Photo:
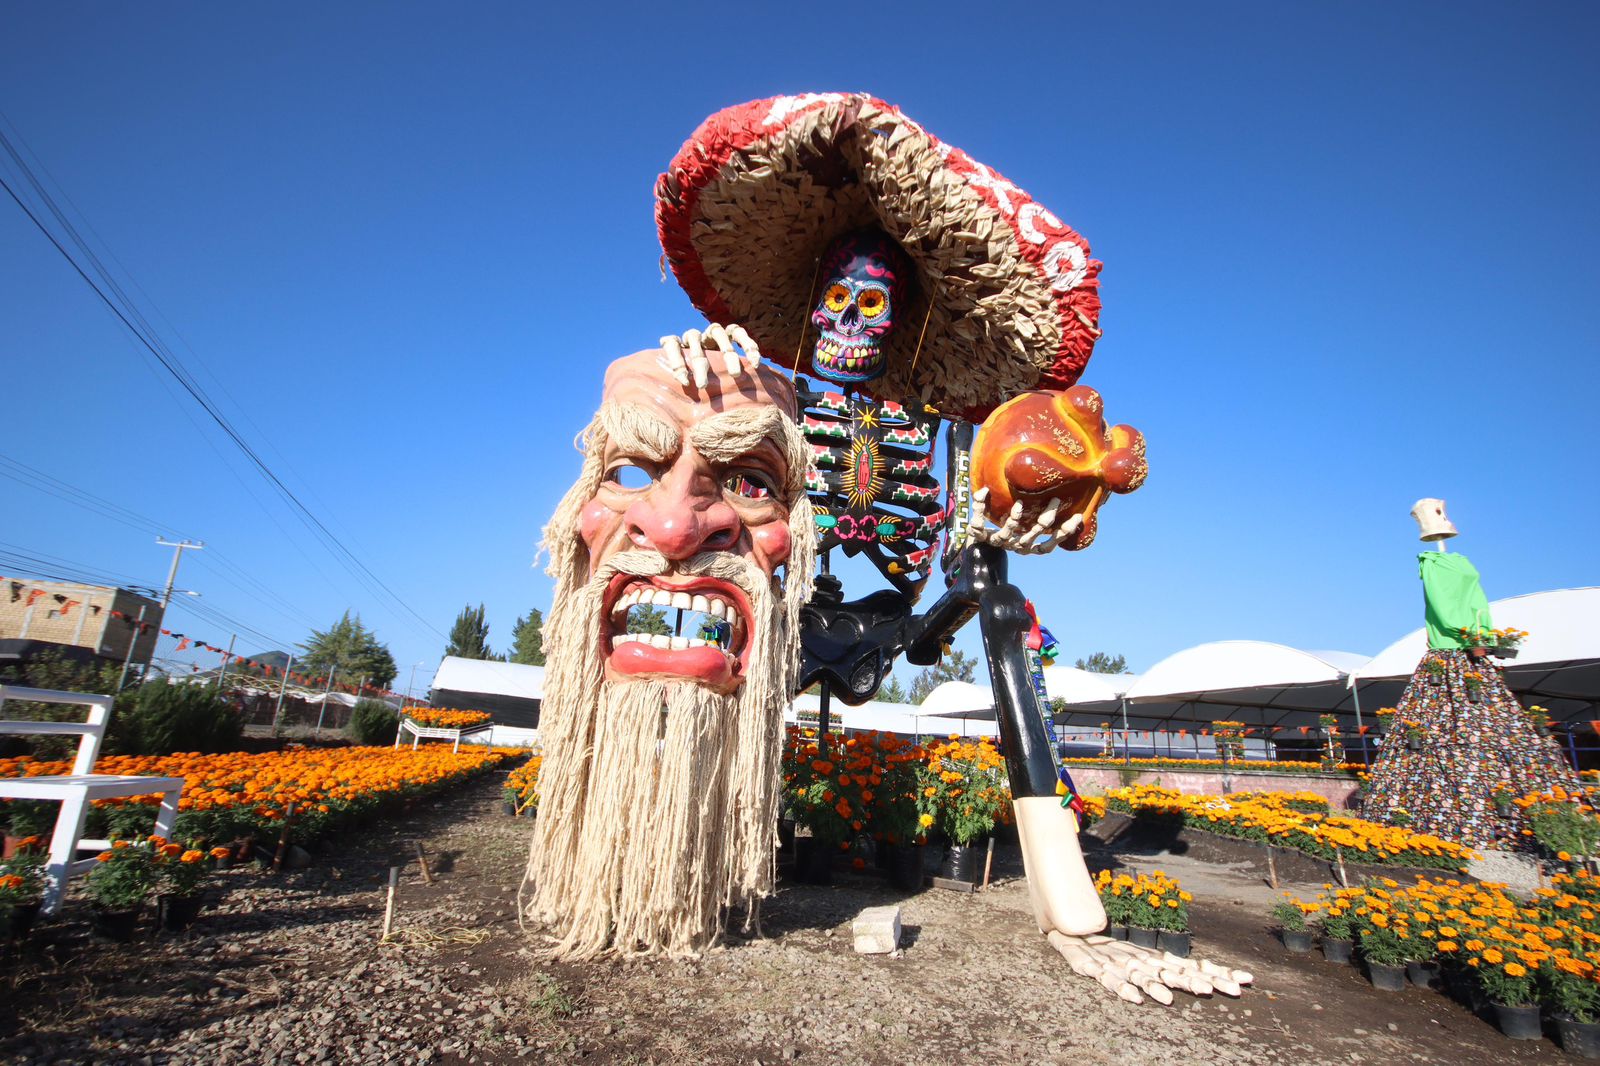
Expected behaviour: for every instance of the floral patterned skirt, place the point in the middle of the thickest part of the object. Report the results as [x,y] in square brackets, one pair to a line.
[1476,739]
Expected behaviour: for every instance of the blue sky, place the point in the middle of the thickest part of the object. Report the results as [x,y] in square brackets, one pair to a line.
[1349,262]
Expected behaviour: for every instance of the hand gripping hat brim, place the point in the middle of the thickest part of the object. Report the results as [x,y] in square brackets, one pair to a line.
[1008,292]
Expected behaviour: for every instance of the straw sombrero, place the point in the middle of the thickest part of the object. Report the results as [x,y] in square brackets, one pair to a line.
[1007,291]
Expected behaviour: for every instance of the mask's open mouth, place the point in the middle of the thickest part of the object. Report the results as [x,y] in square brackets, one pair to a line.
[706,621]
[841,358]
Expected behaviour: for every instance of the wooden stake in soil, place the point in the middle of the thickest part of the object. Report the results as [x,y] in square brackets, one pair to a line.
[388,908]
[422,861]
[1338,854]
[988,861]
[1272,869]
[283,838]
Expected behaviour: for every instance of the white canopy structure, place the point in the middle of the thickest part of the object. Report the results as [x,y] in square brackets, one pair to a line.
[959,699]
[496,678]
[907,719]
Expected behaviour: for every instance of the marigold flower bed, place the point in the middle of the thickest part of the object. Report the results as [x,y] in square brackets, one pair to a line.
[235,795]
[445,717]
[1298,820]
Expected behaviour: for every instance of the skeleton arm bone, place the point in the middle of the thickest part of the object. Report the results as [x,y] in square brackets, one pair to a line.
[1065,903]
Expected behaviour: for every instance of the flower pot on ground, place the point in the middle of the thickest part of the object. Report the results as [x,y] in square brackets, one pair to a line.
[1290,915]
[1581,1039]
[17,921]
[1175,942]
[813,861]
[1518,1022]
[178,912]
[1335,950]
[115,923]
[1142,937]
[1117,932]
[905,866]
[120,882]
[1386,977]
[1423,974]
[964,862]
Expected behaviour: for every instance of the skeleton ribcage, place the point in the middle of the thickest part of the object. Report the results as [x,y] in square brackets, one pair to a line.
[873,487]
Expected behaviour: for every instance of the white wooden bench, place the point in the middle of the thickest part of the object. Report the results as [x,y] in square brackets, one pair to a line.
[77,790]
[434,732]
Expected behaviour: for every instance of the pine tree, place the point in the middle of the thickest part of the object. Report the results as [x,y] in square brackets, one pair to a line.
[469,637]
[892,691]
[527,639]
[955,666]
[1102,663]
[352,649]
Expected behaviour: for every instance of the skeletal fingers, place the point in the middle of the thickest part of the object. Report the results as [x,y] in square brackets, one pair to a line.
[686,357]
[1131,972]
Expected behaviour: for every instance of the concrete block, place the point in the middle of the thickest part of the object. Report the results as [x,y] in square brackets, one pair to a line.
[877,930]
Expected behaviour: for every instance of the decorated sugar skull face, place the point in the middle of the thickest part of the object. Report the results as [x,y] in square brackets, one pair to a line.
[864,275]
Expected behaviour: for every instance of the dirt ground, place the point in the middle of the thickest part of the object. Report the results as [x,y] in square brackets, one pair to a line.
[289,968]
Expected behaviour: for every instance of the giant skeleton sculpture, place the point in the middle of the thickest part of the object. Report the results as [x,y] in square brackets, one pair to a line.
[707,472]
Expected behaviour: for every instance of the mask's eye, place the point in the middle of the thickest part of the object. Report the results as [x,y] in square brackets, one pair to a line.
[750,485]
[873,302]
[837,298]
[627,474]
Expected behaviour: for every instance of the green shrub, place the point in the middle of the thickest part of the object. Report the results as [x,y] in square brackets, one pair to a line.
[373,722]
[167,718]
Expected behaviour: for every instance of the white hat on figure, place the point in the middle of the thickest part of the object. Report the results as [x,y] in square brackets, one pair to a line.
[1432,520]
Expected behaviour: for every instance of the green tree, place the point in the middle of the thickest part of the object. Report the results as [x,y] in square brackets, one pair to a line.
[892,691]
[527,639]
[648,619]
[352,649]
[1102,663]
[469,637]
[955,666]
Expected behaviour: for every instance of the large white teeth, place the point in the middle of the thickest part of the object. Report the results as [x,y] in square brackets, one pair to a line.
[682,600]
[699,603]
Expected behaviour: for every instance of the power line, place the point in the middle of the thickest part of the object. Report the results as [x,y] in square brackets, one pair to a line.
[347,558]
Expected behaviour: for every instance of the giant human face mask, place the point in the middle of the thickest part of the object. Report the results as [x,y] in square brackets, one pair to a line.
[864,276]
[659,791]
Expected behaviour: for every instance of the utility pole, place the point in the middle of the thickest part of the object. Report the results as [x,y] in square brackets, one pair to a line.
[278,710]
[138,629]
[324,712]
[172,575]
[223,676]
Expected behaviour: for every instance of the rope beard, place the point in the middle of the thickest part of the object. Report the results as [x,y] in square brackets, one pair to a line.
[658,799]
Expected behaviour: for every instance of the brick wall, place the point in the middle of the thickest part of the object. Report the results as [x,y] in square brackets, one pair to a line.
[86,623]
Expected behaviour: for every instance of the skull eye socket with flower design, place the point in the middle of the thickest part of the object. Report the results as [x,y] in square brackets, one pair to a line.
[864,275]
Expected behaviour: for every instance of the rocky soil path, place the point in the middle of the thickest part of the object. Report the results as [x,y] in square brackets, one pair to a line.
[289,969]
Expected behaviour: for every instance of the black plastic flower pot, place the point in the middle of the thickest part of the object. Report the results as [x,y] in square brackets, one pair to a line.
[813,861]
[178,912]
[905,867]
[18,921]
[1117,932]
[1176,943]
[964,862]
[114,923]
[1423,974]
[1386,978]
[1139,936]
[1578,1038]
[1336,950]
[1518,1023]
[1298,940]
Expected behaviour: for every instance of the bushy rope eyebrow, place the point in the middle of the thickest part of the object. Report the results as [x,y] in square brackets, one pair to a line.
[639,431]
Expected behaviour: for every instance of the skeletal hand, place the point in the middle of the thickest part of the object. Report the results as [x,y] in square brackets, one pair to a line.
[1052,527]
[1132,972]
[719,340]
